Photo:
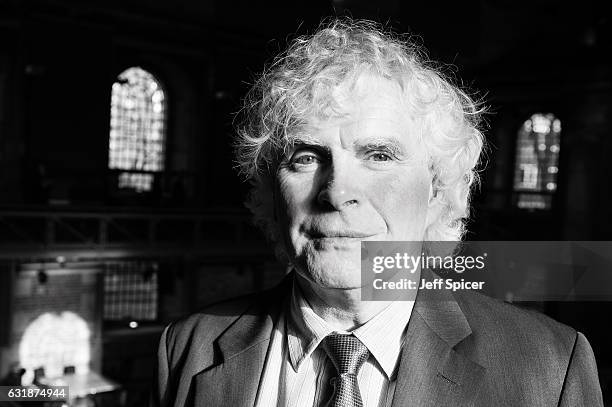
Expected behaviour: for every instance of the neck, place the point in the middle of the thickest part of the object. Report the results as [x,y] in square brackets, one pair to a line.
[342,309]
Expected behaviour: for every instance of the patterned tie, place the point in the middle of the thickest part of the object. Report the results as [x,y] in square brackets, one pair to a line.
[348,354]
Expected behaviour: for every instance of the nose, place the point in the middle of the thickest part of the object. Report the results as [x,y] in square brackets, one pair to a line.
[341,189]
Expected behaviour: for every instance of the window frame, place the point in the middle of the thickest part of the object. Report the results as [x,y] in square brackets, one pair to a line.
[115,172]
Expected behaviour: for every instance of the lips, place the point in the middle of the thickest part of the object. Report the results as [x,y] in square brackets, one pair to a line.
[324,234]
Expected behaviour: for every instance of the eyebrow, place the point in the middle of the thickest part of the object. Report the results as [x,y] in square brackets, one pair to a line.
[390,144]
[304,140]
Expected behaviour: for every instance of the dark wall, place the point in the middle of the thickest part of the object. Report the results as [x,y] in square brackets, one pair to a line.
[56,74]
[58,60]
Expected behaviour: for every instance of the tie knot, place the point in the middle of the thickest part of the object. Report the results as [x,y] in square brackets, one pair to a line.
[346,352]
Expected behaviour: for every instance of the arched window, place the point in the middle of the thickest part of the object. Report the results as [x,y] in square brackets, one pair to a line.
[537,161]
[137,129]
[55,341]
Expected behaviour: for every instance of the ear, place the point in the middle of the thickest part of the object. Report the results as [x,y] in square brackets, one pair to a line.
[435,206]
[275,196]
[274,202]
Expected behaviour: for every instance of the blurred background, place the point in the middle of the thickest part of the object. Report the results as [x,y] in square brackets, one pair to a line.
[119,207]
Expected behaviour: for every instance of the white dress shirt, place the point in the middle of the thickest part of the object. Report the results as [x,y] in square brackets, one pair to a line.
[297,371]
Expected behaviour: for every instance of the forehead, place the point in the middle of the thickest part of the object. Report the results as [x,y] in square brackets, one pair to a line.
[368,106]
[369,90]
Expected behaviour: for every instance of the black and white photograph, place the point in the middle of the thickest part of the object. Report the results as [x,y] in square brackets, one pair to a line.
[338,203]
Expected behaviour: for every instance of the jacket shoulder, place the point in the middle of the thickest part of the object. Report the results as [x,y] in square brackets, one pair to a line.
[205,325]
[525,350]
[516,325]
[187,346]
[188,342]
[530,358]
[492,314]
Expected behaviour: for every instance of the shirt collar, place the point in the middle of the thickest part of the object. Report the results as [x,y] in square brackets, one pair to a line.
[383,335]
[305,329]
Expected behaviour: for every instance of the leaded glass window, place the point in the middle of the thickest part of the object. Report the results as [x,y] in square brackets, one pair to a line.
[537,161]
[137,129]
[130,291]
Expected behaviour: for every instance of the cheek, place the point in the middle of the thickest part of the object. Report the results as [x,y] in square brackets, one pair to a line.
[402,199]
[293,196]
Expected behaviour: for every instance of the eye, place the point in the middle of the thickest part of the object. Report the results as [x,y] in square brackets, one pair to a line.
[305,159]
[378,156]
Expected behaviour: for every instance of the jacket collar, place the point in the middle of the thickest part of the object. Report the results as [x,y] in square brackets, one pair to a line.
[240,353]
[441,312]
[431,371]
[437,308]
[255,325]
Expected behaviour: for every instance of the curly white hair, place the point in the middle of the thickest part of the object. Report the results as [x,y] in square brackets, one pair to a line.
[299,85]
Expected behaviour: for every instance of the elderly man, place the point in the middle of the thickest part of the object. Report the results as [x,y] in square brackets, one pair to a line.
[348,137]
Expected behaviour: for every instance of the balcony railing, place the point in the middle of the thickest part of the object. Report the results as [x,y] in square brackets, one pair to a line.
[102,233]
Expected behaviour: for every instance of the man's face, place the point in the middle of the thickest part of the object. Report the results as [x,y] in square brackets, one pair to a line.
[359,176]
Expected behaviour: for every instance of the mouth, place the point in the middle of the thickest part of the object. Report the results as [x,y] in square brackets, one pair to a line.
[337,234]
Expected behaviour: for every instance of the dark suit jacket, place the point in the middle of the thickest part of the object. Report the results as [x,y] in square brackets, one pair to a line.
[461,350]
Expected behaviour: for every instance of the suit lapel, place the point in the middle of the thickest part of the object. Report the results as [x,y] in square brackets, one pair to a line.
[234,382]
[431,371]
[241,351]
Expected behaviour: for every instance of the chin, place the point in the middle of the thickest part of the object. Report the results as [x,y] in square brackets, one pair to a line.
[330,269]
